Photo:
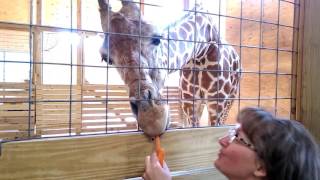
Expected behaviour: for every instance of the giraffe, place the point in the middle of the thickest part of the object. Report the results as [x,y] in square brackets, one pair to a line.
[210,68]
[128,45]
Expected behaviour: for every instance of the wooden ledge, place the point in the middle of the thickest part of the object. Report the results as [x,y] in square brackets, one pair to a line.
[118,156]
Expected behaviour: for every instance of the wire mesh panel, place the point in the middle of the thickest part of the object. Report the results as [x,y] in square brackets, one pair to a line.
[54,83]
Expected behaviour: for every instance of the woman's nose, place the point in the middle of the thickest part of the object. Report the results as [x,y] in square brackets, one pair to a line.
[224,141]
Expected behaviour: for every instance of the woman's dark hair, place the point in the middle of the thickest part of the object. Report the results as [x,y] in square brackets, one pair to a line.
[287,150]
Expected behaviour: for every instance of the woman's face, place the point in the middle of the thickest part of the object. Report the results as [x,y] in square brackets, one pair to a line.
[236,158]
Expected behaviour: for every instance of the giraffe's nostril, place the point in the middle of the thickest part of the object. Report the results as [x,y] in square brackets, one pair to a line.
[149,95]
[134,107]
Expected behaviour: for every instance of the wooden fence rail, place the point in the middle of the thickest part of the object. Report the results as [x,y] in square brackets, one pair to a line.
[56,110]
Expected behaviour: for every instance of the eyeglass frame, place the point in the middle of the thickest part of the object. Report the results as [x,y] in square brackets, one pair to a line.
[233,136]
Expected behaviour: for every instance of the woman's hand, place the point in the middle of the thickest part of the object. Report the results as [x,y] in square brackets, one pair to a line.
[153,169]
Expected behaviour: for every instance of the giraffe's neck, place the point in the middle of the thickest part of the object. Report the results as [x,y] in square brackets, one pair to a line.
[181,40]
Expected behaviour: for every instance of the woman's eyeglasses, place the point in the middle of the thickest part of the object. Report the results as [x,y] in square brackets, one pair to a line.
[233,136]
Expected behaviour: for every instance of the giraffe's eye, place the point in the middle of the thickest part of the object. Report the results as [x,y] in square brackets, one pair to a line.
[155,40]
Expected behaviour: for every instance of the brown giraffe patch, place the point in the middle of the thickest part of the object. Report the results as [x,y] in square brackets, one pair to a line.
[212,54]
[207,33]
[187,96]
[184,84]
[187,27]
[226,66]
[183,34]
[181,46]
[227,88]
[199,20]
[215,70]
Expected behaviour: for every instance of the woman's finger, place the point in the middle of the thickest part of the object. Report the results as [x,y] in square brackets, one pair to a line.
[165,166]
[147,161]
[154,158]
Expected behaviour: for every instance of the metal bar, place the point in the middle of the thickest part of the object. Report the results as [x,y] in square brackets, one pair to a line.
[277,60]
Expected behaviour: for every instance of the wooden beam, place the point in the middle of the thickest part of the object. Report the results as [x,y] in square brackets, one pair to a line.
[80,71]
[109,156]
[37,48]
[310,100]
[297,63]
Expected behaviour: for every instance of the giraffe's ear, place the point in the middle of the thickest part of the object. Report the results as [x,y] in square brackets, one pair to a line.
[105,13]
[155,40]
[130,9]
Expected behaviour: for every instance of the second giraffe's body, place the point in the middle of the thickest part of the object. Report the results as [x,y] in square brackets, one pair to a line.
[210,72]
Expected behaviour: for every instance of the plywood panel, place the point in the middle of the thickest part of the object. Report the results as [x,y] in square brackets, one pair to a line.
[17,11]
[107,157]
[261,56]
[310,77]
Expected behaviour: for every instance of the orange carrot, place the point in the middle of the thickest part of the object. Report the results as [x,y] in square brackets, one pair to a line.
[159,150]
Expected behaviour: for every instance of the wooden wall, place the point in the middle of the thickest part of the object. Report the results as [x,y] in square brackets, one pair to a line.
[310,54]
[15,11]
[260,66]
[111,156]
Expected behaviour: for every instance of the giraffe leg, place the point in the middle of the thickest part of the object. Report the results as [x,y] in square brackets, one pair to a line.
[193,112]
[214,110]
[224,114]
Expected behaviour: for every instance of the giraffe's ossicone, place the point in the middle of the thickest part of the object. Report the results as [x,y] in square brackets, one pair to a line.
[210,68]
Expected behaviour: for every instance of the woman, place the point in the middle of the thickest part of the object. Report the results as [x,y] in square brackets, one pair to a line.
[261,147]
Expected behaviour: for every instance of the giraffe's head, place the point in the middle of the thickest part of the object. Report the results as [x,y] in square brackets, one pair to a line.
[129,44]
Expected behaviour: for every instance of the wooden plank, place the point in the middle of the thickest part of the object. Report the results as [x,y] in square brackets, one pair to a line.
[13,13]
[20,106]
[16,113]
[108,117]
[310,100]
[57,132]
[48,121]
[88,99]
[57,111]
[112,93]
[57,105]
[126,106]
[118,111]
[58,91]
[109,121]
[14,93]
[104,87]
[80,58]
[14,120]
[56,87]
[14,100]
[53,127]
[37,49]
[15,126]
[88,123]
[57,117]
[106,156]
[297,62]
[11,85]
[26,28]
[111,129]
[13,135]
[55,97]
